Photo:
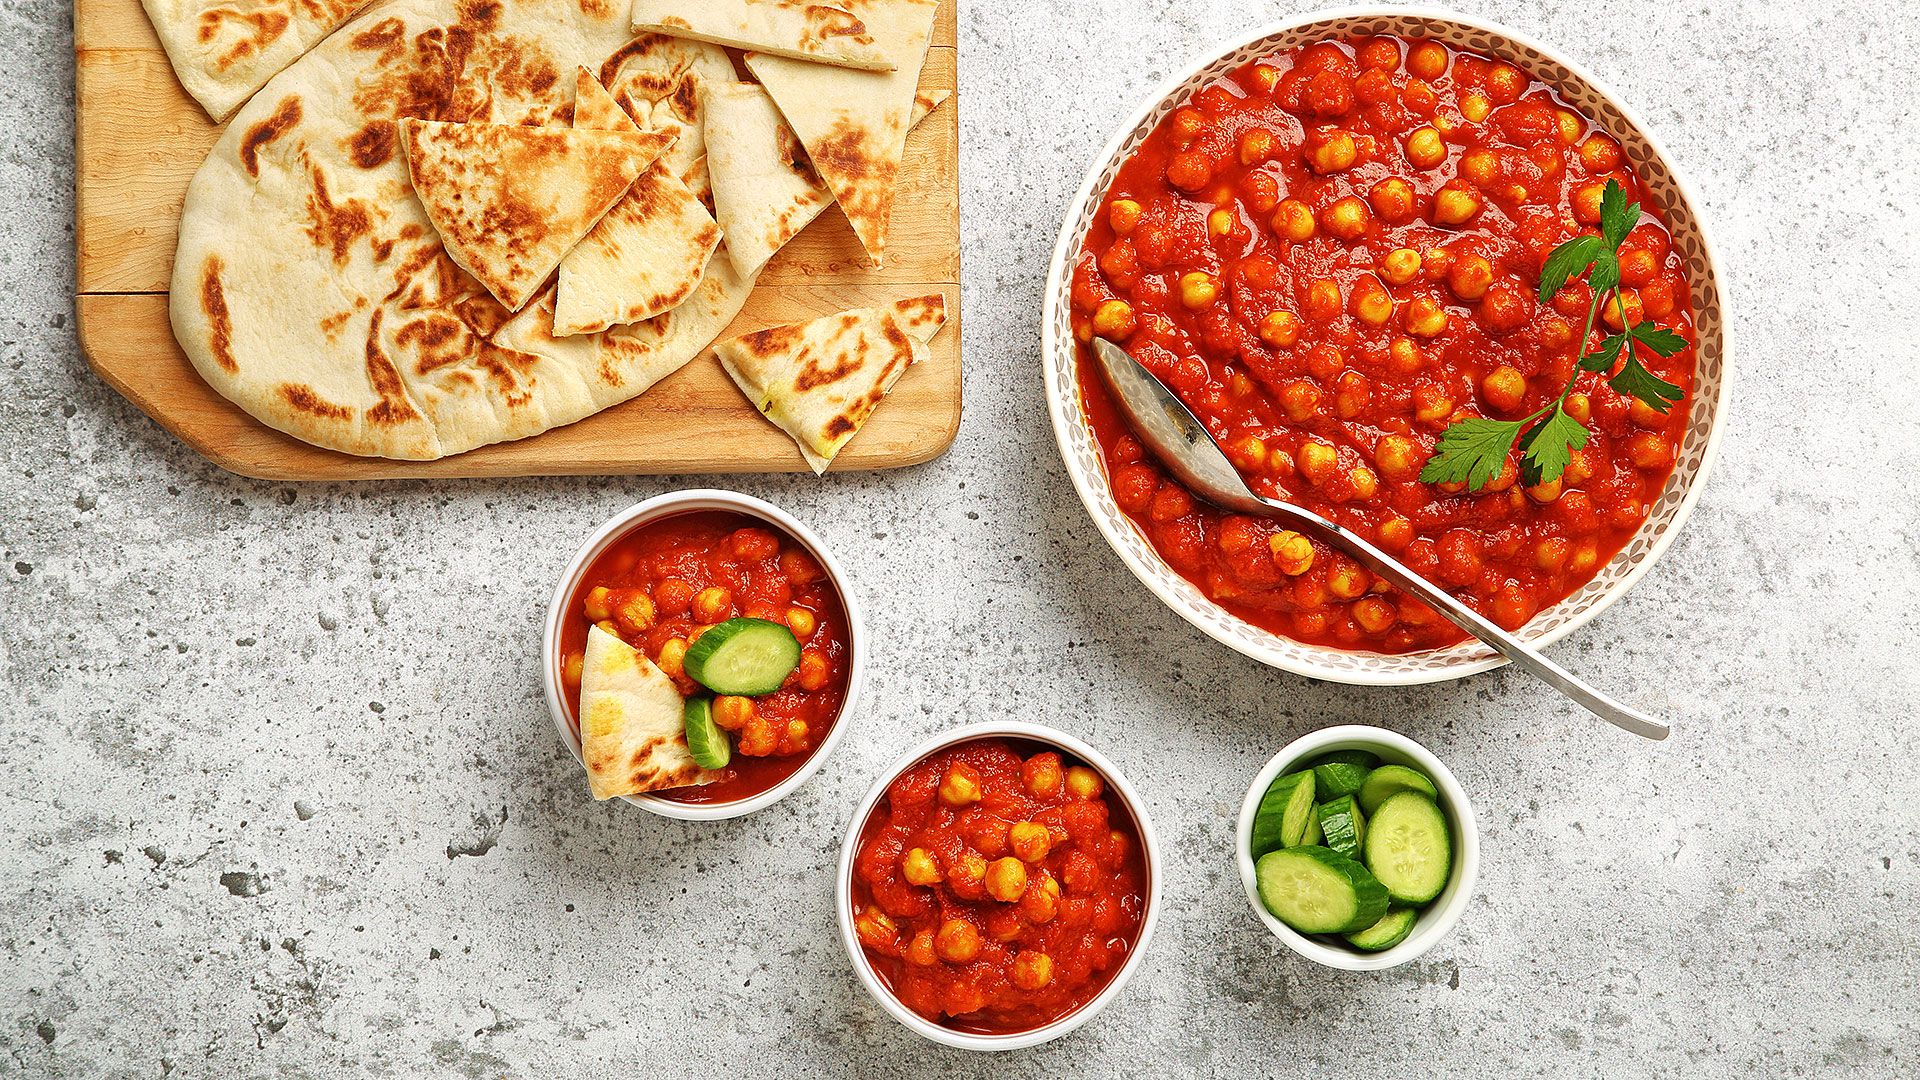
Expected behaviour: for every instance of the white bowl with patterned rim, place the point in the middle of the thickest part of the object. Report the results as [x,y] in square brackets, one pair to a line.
[1667,190]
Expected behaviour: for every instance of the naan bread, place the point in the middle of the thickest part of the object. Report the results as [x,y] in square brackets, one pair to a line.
[854,123]
[633,732]
[804,29]
[647,254]
[764,188]
[819,381]
[224,50]
[664,82]
[510,201]
[310,288]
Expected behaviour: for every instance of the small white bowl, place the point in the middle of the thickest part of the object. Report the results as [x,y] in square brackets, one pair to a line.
[1437,917]
[681,502]
[1068,746]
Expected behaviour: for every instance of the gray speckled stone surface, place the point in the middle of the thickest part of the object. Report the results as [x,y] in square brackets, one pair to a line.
[279,795]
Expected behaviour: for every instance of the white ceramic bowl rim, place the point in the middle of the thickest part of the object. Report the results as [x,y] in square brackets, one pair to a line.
[1329,664]
[1438,917]
[687,501]
[843,892]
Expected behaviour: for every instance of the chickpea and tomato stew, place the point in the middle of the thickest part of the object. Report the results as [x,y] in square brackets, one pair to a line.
[663,586]
[998,887]
[1331,254]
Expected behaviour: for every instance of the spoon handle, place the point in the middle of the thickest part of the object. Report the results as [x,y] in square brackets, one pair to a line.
[1480,627]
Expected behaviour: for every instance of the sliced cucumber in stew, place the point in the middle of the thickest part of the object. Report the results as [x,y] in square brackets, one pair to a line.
[1283,814]
[1317,890]
[1391,780]
[748,657]
[1343,825]
[1409,848]
[1391,930]
[1313,837]
[1342,772]
[705,741]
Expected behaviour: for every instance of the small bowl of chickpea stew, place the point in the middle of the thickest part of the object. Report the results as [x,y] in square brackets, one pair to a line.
[660,574]
[998,886]
[1326,237]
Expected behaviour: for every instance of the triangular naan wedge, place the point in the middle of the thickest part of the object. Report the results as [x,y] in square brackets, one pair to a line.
[764,188]
[510,201]
[801,29]
[854,123]
[224,50]
[647,254]
[819,380]
[633,733]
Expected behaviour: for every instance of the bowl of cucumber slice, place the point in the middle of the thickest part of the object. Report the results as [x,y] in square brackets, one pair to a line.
[1358,847]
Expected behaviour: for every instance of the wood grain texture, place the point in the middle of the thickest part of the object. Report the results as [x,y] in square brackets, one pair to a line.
[139,138]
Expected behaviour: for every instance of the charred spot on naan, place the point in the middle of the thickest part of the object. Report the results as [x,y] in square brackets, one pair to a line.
[263,28]
[372,146]
[335,226]
[794,156]
[301,398]
[825,22]
[279,123]
[451,72]
[213,303]
[387,37]
[867,174]
[919,311]
[394,407]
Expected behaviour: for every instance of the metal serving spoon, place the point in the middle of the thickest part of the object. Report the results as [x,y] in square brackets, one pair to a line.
[1183,444]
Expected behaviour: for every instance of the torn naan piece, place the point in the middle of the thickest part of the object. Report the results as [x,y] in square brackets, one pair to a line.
[509,201]
[633,733]
[224,50]
[647,254]
[765,190]
[819,380]
[854,123]
[802,29]
[658,80]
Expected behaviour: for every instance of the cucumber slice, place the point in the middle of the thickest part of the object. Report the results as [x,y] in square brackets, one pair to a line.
[1389,780]
[1344,826]
[1313,837]
[1409,848]
[1317,890]
[1283,814]
[1341,772]
[1391,930]
[705,741]
[749,657]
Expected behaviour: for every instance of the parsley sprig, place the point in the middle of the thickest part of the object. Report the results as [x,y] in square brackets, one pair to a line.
[1475,451]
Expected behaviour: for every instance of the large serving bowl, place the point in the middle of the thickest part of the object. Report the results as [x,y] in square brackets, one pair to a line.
[1707,405]
[639,516]
[1118,790]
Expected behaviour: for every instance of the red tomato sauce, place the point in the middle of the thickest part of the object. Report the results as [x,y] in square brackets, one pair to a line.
[666,582]
[1332,254]
[997,887]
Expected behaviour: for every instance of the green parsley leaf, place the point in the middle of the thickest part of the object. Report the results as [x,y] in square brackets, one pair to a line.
[1567,260]
[1548,447]
[1617,216]
[1653,391]
[1658,339]
[1471,451]
[1605,273]
[1607,355]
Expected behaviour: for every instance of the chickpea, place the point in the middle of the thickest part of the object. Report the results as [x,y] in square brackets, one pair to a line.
[1292,553]
[598,605]
[800,567]
[802,622]
[1570,125]
[1256,145]
[1600,154]
[1431,405]
[1248,453]
[1610,311]
[813,671]
[607,627]
[1265,78]
[1428,60]
[1425,318]
[957,942]
[1293,219]
[1392,199]
[920,951]
[1373,306]
[673,656]
[1480,166]
[1504,388]
[1579,468]
[1348,581]
[1512,607]
[1376,615]
[1113,319]
[1551,553]
[1469,277]
[1042,901]
[1006,879]
[1347,218]
[1475,107]
[1578,406]
[1586,204]
[1646,415]
[1455,206]
[1083,783]
[574,667]
[1326,361]
[1459,551]
[1546,491]
[967,871]
[1280,328]
[1239,385]
[1404,355]
[1398,457]
[1354,392]
[1506,307]
[1031,840]
[1031,970]
[1335,153]
[1220,222]
[732,712]
[1300,400]
[757,738]
[1505,83]
[1638,266]
[1323,300]
[713,604]
[1198,289]
[1649,450]
[961,785]
[1123,215]
[1425,148]
[1400,266]
[1189,171]
[1317,460]
[796,735]
[1658,298]
[1396,533]
[918,866]
[875,929]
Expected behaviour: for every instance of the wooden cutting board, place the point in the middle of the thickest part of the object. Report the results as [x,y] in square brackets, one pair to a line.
[140,138]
